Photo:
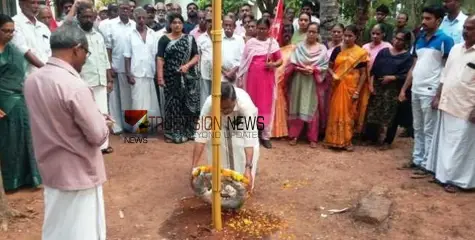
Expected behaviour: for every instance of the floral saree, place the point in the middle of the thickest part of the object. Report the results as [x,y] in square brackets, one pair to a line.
[182,90]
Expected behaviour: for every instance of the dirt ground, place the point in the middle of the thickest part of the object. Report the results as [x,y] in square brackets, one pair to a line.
[148,196]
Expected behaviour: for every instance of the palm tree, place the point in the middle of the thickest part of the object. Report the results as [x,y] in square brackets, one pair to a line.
[329,13]
[362,16]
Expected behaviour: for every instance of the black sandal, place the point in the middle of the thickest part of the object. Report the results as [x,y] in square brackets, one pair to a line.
[451,188]
[108,150]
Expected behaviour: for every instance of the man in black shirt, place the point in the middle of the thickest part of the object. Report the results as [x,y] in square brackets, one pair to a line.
[151,23]
[192,21]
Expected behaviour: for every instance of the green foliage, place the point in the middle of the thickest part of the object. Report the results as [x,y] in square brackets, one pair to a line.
[234,5]
[295,4]
[102,3]
[228,5]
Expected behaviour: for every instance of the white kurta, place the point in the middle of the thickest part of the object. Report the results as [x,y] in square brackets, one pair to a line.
[74,215]
[454,151]
[142,66]
[233,141]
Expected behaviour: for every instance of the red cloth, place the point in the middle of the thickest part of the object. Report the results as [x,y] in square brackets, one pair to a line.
[52,23]
[277,23]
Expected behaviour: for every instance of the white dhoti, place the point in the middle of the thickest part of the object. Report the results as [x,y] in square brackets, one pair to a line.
[205,90]
[74,215]
[125,92]
[144,97]
[161,100]
[115,108]
[454,151]
[100,96]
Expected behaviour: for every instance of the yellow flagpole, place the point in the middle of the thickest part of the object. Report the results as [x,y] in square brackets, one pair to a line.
[216,36]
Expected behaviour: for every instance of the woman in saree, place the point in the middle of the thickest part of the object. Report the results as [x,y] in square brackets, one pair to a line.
[388,74]
[348,64]
[257,75]
[279,128]
[18,163]
[239,146]
[301,33]
[177,72]
[305,77]
[336,41]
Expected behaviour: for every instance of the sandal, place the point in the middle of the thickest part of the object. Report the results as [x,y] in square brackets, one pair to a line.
[419,174]
[168,140]
[313,144]
[349,148]
[385,147]
[408,166]
[434,180]
[266,143]
[108,150]
[293,142]
[451,188]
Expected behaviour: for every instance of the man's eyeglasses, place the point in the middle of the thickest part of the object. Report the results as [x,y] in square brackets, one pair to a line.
[85,50]
[7,31]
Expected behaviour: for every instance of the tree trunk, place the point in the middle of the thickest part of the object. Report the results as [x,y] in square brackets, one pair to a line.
[267,5]
[329,12]
[362,16]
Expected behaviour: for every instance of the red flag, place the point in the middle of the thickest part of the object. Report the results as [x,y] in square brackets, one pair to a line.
[277,24]
[52,23]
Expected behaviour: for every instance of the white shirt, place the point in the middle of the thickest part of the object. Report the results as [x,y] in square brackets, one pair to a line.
[94,71]
[458,92]
[296,22]
[142,53]
[232,50]
[104,27]
[205,49]
[116,40]
[240,30]
[32,37]
[160,33]
[244,107]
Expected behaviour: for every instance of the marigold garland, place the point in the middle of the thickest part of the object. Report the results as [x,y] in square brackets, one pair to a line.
[224,172]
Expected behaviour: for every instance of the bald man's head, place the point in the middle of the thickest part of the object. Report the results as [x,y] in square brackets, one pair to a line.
[469,31]
[45,15]
[229,26]
[176,8]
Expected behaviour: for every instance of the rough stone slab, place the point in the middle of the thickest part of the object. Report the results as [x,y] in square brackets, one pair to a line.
[373,208]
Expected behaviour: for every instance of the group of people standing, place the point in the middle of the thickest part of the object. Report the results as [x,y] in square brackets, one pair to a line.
[151,59]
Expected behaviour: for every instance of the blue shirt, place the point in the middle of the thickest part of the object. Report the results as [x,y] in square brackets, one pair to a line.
[430,62]
[454,28]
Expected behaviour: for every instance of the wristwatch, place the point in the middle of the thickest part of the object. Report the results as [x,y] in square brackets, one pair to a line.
[249,165]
